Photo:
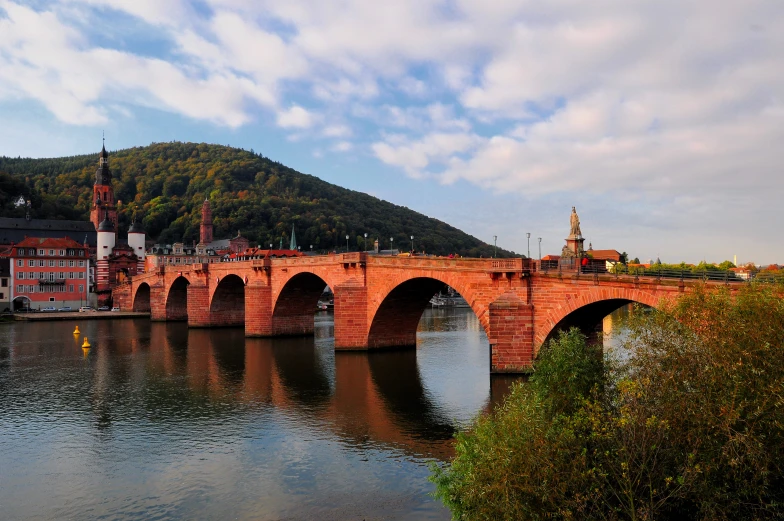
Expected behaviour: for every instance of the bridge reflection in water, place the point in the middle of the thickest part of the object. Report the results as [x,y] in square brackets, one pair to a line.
[159,419]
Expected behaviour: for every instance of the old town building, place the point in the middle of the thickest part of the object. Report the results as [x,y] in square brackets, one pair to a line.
[49,272]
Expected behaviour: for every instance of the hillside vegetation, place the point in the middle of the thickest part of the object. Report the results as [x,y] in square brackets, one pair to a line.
[167,183]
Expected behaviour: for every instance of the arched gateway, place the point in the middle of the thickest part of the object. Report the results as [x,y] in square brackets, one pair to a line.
[378,300]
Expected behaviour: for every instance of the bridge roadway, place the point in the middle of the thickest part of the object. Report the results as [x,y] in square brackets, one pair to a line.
[380,299]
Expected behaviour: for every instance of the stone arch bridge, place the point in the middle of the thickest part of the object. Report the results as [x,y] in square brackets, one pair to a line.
[378,300]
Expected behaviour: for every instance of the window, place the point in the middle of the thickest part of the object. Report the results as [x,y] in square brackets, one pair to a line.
[19,288]
[2,296]
[62,253]
[19,263]
[51,276]
[81,253]
[41,275]
[51,263]
[51,253]
[70,274]
[81,288]
[81,274]
[70,264]
[40,252]
[81,264]
[51,299]
[4,284]
[61,275]
[20,275]
[31,262]
[62,264]
[42,263]
[31,289]
[70,288]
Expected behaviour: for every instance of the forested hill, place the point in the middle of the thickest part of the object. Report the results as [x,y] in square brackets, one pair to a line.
[167,183]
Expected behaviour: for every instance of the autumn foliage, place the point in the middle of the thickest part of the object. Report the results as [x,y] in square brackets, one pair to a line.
[686,423]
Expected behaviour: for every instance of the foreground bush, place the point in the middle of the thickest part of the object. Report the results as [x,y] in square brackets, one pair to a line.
[689,426]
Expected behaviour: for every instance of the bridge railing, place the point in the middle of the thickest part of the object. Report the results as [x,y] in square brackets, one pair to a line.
[573,266]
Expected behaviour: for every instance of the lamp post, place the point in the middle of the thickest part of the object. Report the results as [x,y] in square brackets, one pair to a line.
[495,246]
[540,249]
[311,248]
[391,243]
[364,243]
[528,236]
[412,245]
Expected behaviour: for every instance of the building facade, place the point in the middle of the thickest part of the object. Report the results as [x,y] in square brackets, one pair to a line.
[5,283]
[49,272]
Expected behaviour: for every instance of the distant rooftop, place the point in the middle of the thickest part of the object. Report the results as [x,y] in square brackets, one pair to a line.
[15,229]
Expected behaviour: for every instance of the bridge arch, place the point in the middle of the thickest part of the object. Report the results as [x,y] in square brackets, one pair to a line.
[294,308]
[177,299]
[588,310]
[395,319]
[141,299]
[227,305]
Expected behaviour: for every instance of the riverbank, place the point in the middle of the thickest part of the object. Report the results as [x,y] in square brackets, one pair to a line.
[75,315]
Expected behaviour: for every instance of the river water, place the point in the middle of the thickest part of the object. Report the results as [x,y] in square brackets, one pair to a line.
[158,421]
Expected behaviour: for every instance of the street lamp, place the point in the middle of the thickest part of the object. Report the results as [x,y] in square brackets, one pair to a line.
[364,244]
[528,235]
[412,245]
[311,248]
[495,246]
[346,243]
[391,243]
[540,249]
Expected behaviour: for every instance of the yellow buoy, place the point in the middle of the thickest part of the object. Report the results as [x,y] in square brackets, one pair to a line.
[86,344]
[76,331]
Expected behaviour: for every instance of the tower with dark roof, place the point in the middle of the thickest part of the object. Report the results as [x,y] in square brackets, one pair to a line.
[104,206]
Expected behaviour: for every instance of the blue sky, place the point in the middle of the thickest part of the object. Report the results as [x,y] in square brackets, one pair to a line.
[661,121]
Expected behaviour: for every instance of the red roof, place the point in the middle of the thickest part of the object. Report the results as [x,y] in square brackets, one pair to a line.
[551,257]
[605,254]
[47,242]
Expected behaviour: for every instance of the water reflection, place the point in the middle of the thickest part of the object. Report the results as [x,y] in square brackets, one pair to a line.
[159,420]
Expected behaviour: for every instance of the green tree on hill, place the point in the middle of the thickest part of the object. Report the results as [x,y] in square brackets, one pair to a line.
[167,183]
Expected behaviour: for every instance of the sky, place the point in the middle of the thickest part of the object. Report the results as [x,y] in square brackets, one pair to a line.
[661,121]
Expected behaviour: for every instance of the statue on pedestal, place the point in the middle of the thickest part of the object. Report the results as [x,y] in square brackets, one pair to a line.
[574,220]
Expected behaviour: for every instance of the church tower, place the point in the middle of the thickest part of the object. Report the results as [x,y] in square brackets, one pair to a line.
[205,230]
[103,206]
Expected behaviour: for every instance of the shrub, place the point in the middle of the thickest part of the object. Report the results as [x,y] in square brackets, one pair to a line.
[688,427]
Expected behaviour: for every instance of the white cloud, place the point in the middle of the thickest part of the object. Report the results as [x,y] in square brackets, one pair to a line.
[336,131]
[342,146]
[295,117]
[415,156]
[647,100]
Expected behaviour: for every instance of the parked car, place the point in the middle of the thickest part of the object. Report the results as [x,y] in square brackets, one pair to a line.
[65,308]
[115,308]
[49,308]
[83,309]
[103,308]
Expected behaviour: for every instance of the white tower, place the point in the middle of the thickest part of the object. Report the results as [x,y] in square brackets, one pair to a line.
[136,241]
[106,238]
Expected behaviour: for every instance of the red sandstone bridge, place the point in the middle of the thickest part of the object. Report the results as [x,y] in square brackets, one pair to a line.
[380,299]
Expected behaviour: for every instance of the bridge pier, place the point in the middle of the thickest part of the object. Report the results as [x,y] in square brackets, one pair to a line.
[258,311]
[198,305]
[351,321]
[157,303]
[511,335]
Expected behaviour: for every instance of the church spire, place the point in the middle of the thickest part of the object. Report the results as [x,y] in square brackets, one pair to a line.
[293,243]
